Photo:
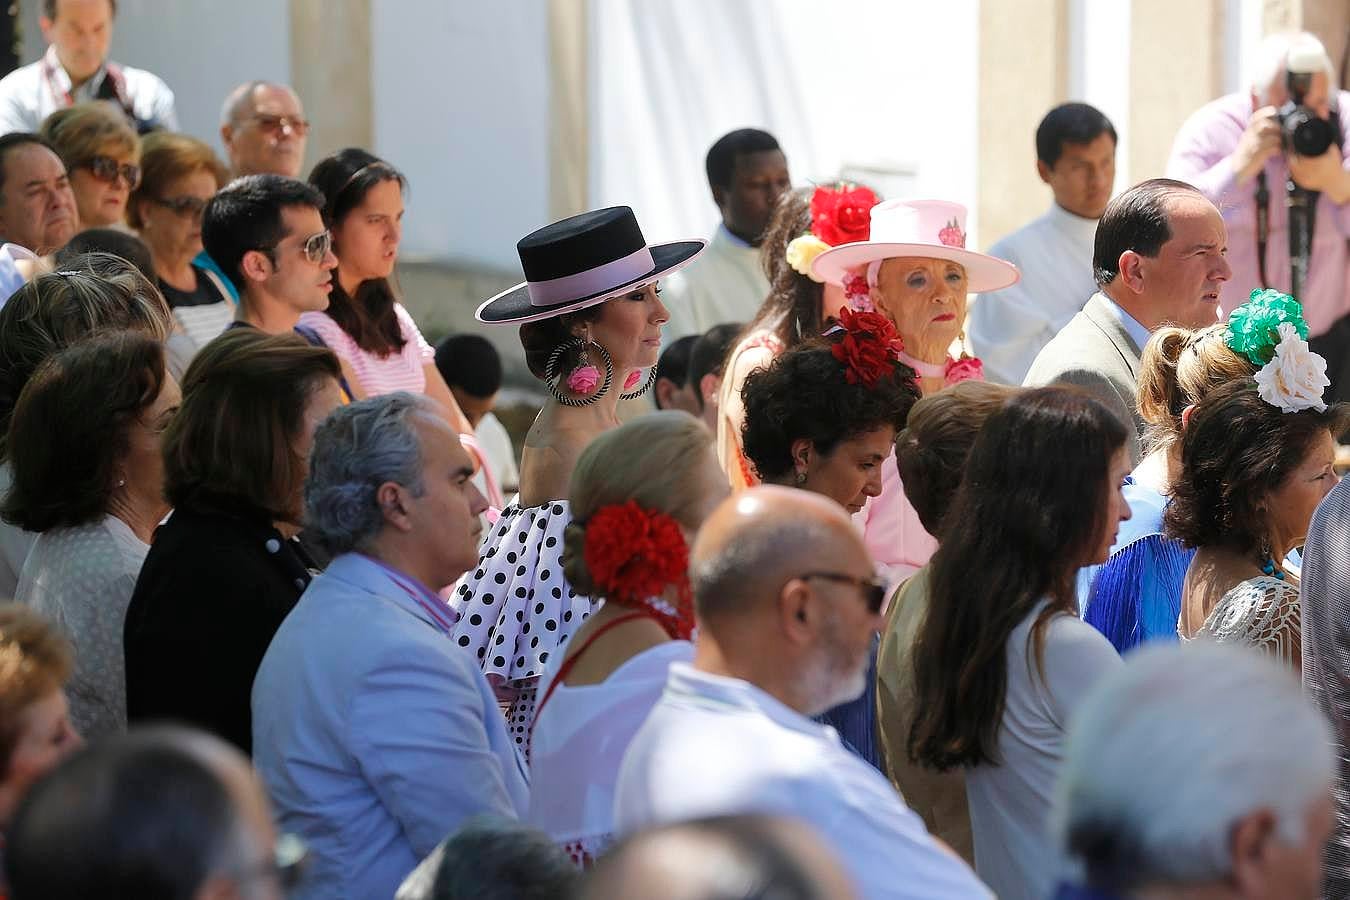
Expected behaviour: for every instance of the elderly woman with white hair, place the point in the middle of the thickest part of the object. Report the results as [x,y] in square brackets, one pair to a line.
[1196,771]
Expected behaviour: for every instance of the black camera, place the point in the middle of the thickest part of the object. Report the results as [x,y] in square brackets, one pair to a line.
[1305,132]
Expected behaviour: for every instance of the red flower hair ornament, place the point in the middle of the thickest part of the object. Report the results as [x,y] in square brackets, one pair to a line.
[633,555]
[870,346]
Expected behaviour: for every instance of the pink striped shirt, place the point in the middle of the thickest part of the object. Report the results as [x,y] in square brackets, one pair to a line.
[401,371]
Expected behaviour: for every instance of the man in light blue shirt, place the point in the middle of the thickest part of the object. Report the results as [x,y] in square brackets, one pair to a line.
[376,739]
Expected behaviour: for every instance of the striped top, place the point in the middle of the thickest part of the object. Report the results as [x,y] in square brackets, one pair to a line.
[399,371]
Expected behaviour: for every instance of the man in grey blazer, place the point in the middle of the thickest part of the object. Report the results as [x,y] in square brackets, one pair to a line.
[1159,259]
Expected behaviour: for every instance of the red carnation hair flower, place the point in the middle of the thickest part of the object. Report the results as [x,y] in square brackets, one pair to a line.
[842,215]
[869,347]
[633,555]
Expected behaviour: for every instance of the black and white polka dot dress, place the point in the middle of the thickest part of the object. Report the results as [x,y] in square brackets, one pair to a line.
[516,608]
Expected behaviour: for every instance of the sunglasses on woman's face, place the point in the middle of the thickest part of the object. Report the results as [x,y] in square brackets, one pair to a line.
[107,170]
[187,207]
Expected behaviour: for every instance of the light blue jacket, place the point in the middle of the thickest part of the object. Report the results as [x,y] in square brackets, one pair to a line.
[373,736]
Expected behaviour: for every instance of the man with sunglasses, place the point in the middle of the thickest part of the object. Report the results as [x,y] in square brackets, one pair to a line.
[263,128]
[163,811]
[787,603]
[76,68]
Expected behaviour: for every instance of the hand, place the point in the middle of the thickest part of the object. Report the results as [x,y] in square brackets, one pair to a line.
[1323,173]
[1258,143]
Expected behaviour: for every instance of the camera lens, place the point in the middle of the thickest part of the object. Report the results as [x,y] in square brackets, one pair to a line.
[1307,134]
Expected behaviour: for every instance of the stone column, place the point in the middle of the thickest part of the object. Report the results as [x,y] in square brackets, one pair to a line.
[569,108]
[330,70]
[1176,67]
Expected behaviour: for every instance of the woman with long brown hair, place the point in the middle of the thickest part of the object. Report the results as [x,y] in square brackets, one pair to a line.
[1002,658]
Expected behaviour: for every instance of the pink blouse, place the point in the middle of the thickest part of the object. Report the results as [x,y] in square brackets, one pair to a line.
[399,371]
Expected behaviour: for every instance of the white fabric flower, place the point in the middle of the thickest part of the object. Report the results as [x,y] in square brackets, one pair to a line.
[1295,377]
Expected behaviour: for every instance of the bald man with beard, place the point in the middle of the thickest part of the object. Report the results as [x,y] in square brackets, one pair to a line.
[787,603]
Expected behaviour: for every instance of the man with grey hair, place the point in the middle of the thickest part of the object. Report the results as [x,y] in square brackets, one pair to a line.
[1234,151]
[158,812]
[374,736]
[787,603]
[263,128]
[1195,772]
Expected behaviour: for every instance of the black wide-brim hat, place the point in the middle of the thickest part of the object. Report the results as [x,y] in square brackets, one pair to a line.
[582,261]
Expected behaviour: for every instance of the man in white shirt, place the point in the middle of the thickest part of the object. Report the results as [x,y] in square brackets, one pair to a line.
[472,368]
[787,604]
[1159,259]
[76,68]
[747,173]
[1076,157]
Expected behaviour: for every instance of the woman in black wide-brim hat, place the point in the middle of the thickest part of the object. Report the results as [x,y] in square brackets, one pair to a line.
[590,317]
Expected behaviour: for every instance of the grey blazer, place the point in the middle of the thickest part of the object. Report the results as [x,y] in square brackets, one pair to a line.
[1096,353]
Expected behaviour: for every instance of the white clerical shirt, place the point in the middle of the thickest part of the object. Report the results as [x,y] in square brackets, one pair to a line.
[725,284]
[1009,327]
[721,746]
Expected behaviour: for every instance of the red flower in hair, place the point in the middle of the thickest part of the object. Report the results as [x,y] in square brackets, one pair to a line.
[869,348]
[634,554]
[842,216]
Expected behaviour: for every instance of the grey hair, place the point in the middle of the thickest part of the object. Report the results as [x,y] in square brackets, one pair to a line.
[358,448]
[1272,59]
[1171,751]
[239,102]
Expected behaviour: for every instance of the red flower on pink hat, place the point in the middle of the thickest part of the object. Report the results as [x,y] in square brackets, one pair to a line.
[842,216]
[952,235]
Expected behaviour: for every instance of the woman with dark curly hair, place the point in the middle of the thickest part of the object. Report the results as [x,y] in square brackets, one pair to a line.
[590,317]
[823,417]
[798,306]
[823,420]
[1002,660]
[1255,463]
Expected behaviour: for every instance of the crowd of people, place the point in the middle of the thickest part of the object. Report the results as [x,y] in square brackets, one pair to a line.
[894,593]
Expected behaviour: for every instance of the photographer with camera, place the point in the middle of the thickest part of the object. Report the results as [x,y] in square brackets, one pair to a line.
[1275,160]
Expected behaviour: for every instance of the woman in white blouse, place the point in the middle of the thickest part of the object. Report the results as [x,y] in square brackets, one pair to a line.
[1002,659]
[639,494]
[84,445]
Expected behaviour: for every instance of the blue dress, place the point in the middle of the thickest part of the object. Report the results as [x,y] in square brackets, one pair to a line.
[1136,595]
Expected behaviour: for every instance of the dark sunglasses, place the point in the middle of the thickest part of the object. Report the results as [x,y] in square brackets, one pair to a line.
[185,206]
[873,589]
[315,247]
[274,125]
[107,170]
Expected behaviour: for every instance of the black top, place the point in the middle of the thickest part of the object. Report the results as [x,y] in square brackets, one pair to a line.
[215,587]
[204,294]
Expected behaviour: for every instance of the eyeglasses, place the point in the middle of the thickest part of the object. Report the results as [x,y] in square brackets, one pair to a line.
[873,589]
[290,859]
[274,125]
[107,170]
[315,247]
[184,206]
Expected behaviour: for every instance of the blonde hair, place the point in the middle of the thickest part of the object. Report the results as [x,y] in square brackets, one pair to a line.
[1179,368]
[35,659]
[85,130]
[653,460]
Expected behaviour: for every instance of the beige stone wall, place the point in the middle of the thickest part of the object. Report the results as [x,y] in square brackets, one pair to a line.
[1020,80]
[330,69]
[1176,58]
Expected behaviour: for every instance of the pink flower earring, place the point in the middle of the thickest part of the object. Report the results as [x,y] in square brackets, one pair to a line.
[584,379]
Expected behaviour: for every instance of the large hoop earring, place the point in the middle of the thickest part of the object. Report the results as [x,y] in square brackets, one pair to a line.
[646,386]
[553,377]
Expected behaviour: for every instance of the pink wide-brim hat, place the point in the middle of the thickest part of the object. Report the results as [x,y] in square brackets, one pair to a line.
[928,228]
